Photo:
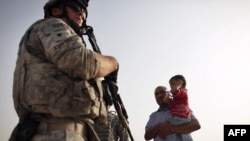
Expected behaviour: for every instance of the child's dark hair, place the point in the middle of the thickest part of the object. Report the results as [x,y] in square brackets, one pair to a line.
[179,77]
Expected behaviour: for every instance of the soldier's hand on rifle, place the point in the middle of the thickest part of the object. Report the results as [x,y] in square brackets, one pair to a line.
[112,76]
[108,64]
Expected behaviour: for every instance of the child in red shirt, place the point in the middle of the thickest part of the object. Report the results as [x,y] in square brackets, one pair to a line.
[178,106]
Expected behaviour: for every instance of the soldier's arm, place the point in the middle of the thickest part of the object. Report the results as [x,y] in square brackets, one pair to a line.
[107,65]
[66,50]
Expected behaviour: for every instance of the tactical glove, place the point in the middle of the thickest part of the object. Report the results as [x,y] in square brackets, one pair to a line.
[112,76]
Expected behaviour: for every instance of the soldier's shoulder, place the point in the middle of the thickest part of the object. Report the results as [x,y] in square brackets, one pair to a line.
[49,25]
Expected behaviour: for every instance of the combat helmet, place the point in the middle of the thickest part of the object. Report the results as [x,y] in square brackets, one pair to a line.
[63,3]
[75,4]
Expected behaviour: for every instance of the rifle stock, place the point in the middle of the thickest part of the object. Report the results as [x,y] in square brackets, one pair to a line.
[110,86]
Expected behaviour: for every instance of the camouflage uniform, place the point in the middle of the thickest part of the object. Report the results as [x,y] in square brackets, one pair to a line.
[113,131]
[55,80]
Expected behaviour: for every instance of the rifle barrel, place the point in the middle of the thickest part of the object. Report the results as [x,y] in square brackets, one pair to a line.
[117,101]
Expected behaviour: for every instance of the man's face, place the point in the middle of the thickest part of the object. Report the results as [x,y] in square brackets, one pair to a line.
[77,16]
[160,93]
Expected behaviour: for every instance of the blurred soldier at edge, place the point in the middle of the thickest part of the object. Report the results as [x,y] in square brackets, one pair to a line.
[56,79]
[113,130]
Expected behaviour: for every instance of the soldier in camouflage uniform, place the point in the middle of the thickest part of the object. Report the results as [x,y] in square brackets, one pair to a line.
[113,131]
[57,79]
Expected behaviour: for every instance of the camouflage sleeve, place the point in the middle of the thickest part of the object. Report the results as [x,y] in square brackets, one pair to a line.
[65,49]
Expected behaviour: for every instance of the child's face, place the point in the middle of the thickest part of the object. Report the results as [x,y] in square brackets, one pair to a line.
[176,84]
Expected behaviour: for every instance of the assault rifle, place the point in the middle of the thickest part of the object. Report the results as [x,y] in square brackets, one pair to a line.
[111,95]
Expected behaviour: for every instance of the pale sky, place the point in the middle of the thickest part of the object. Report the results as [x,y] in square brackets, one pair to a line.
[205,40]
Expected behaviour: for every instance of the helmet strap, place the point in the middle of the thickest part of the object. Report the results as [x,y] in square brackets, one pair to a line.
[72,24]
